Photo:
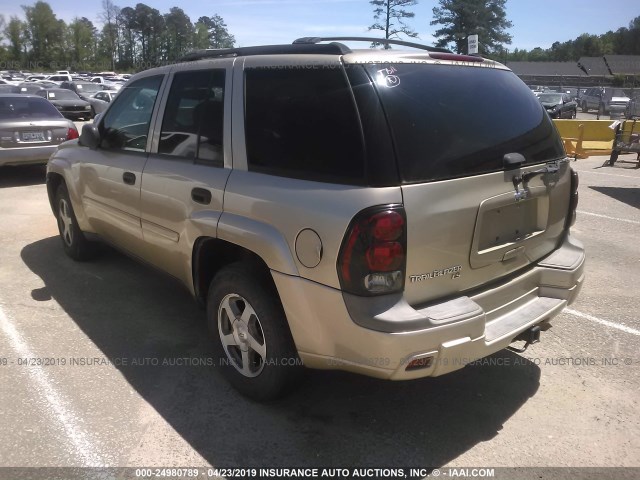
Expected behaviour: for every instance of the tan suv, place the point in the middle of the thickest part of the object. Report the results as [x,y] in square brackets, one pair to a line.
[392,213]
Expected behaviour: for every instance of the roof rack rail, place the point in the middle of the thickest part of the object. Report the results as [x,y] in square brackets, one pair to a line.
[386,41]
[296,48]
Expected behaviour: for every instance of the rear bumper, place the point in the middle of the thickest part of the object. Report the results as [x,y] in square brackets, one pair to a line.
[26,155]
[332,331]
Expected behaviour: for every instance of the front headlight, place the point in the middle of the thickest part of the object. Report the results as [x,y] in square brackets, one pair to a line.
[88,107]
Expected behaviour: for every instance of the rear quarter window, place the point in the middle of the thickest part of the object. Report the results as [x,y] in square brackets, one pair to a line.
[451,121]
[303,123]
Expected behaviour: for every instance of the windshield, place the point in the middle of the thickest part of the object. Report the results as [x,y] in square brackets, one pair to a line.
[62,95]
[451,121]
[550,98]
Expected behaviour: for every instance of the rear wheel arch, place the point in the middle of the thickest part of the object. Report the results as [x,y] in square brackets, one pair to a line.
[210,255]
[54,180]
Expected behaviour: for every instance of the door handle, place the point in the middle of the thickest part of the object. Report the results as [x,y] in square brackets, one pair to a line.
[201,195]
[129,178]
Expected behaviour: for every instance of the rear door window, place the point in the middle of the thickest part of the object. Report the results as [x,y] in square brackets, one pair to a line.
[452,121]
[193,122]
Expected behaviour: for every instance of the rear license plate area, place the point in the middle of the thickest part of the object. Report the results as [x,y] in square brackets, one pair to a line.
[32,137]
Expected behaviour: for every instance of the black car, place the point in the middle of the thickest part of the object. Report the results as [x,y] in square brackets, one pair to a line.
[67,102]
[558,105]
[83,89]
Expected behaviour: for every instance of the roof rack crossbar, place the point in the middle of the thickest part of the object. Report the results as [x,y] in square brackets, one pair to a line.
[384,41]
[300,48]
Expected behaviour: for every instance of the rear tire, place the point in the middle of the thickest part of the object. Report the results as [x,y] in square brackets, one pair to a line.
[251,336]
[74,242]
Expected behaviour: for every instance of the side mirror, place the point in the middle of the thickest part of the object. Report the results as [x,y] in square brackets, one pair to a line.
[90,136]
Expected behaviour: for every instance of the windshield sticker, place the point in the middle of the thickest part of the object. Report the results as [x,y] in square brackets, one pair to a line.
[387,78]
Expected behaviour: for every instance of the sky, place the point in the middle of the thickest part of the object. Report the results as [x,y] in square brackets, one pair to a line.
[536,23]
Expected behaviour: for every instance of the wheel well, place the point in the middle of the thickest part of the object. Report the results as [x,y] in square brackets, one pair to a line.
[212,254]
[54,180]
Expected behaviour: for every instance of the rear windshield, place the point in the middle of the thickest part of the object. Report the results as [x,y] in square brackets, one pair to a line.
[88,87]
[452,121]
[27,107]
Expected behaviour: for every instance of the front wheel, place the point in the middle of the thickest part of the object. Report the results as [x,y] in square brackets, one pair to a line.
[585,109]
[250,332]
[574,113]
[73,240]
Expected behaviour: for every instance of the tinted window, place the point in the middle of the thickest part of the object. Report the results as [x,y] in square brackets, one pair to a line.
[193,121]
[126,123]
[24,107]
[452,121]
[303,123]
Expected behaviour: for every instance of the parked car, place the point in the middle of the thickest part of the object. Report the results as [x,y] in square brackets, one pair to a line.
[47,84]
[334,213]
[86,91]
[58,79]
[604,99]
[106,95]
[30,129]
[33,78]
[100,101]
[67,102]
[558,105]
[83,89]
[106,83]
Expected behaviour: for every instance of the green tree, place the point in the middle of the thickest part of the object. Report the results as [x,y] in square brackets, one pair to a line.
[14,31]
[82,42]
[217,33]
[200,36]
[389,17]
[110,41]
[127,22]
[43,32]
[178,33]
[461,18]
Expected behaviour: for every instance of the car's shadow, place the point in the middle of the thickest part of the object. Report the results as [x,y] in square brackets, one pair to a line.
[332,419]
[628,195]
[22,176]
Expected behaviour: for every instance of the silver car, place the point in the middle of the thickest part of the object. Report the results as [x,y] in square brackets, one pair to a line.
[392,213]
[30,129]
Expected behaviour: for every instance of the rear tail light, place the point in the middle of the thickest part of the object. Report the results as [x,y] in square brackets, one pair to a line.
[72,134]
[372,258]
[573,201]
